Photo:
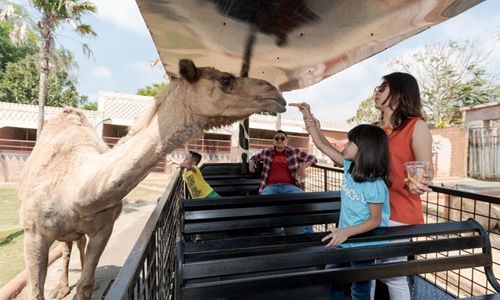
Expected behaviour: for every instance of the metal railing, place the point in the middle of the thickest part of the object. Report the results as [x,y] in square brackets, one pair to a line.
[16,145]
[441,205]
[445,204]
[148,272]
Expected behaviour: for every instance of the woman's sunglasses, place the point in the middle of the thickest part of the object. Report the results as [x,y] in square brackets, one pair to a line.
[381,88]
[278,138]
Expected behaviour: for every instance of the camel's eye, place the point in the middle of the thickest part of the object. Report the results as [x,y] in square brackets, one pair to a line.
[226,81]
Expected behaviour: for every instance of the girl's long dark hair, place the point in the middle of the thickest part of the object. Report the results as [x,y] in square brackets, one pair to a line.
[404,98]
[372,160]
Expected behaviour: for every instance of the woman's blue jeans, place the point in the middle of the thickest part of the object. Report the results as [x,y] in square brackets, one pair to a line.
[359,290]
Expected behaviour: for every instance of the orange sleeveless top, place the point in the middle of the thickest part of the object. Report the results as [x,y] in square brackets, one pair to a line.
[405,207]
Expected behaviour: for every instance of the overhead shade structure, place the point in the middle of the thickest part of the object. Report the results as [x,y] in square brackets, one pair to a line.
[296,42]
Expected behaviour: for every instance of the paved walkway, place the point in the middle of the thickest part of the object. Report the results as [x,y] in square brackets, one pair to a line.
[127,228]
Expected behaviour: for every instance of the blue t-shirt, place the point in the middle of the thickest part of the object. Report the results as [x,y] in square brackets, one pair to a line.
[354,200]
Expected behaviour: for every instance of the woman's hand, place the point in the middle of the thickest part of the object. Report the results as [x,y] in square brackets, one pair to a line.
[418,187]
[336,236]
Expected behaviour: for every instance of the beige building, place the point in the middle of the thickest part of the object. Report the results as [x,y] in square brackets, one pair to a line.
[117,111]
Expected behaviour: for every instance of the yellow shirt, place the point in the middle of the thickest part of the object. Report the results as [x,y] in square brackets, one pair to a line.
[198,187]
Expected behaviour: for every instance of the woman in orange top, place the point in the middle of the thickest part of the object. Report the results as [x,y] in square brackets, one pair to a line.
[398,99]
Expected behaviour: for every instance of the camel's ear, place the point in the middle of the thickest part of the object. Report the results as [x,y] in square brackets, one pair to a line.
[172,76]
[188,70]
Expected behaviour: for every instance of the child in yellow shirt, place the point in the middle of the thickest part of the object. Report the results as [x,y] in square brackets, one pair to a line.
[198,187]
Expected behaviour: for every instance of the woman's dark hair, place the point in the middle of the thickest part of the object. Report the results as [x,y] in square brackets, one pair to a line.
[372,160]
[196,157]
[404,97]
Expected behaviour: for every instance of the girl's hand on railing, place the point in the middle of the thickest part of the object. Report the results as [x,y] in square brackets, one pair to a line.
[336,236]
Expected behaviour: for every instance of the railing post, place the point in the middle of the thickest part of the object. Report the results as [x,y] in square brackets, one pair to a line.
[245,125]
[325,179]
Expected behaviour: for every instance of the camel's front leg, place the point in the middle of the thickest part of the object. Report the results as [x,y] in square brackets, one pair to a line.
[95,247]
[62,288]
[36,256]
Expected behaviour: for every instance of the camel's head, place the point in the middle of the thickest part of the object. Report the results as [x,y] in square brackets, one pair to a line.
[221,98]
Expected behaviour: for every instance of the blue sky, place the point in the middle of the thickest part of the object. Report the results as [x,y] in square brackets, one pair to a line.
[123,52]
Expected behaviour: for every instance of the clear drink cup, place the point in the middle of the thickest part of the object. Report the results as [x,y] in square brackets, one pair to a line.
[417,171]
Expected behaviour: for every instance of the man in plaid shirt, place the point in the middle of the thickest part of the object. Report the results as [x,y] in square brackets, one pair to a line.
[281,167]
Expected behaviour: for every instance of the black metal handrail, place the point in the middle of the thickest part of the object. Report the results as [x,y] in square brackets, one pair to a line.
[442,205]
[148,272]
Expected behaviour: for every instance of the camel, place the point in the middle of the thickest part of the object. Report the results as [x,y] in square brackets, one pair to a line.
[73,183]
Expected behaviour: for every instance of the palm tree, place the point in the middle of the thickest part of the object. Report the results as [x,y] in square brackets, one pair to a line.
[54,13]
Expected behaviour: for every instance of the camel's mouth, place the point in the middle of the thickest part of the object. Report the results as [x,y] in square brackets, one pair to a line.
[275,104]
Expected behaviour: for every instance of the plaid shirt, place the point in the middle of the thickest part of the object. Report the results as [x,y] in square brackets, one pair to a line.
[294,156]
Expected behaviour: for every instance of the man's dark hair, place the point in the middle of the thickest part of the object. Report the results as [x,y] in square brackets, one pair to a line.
[196,157]
[280,131]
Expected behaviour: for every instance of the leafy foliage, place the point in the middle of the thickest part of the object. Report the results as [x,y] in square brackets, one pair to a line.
[20,61]
[451,75]
[366,112]
[152,90]
[90,106]
[12,52]
[19,84]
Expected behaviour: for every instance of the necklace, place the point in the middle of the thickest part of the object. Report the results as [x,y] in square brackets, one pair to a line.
[388,130]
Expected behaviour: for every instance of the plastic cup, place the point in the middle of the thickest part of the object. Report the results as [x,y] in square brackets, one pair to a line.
[416,171]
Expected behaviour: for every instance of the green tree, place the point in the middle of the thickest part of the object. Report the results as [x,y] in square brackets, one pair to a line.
[10,52]
[15,43]
[152,90]
[451,75]
[19,84]
[90,106]
[366,112]
[55,13]
[18,20]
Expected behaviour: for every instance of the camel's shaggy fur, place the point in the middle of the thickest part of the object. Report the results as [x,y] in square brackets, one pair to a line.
[73,183]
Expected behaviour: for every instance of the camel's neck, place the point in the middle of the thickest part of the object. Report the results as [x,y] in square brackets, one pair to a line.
[165,128]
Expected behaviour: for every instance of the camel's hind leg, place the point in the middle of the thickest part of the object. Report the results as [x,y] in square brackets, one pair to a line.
[95,247]
[62,288]
[36,256]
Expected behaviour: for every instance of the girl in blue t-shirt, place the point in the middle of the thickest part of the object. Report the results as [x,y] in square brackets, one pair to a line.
[364,193]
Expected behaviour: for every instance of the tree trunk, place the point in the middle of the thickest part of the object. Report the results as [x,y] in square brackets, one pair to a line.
[46,33]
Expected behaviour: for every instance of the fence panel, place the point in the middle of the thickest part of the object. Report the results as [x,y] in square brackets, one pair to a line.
[484,158]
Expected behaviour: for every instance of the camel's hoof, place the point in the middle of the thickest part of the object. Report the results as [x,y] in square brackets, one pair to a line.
[85,292]
[59,292]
